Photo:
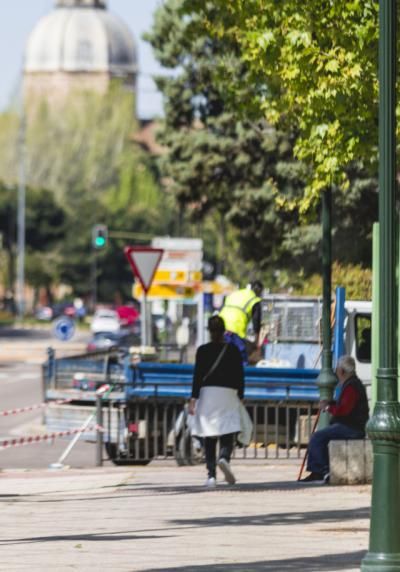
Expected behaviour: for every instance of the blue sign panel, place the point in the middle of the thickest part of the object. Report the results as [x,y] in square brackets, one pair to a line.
[64,329]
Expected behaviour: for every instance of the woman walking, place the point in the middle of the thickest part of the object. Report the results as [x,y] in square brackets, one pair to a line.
[218,384]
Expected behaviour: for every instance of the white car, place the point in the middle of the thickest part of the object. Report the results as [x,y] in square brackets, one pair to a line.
[105,320]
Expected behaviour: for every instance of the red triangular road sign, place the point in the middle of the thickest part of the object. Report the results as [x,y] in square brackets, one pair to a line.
[144,262]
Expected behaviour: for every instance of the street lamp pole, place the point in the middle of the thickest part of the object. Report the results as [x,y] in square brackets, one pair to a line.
[384,426]
[21,216]
[326,380]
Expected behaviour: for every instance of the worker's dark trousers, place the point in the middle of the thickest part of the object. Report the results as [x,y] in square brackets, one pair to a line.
[318,454]
[225,451]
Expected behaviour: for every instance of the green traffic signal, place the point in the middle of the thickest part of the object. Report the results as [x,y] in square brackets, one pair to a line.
[100,241]
[99,236]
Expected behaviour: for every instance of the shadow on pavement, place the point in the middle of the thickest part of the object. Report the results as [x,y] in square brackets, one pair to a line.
[323,563]
[277,518]
[238,488]
[149,490]
[98,536]
[128,490]
[22,333]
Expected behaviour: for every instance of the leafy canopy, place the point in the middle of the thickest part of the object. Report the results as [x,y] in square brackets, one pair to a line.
[218,165]
[313,67]
[85,157]
[225,163]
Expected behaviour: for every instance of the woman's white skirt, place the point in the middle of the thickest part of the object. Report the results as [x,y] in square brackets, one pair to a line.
[217,412]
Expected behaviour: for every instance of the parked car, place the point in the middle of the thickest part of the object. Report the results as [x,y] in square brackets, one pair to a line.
[128,315]
[44,313]
[108,340]
[105,320]
[47,313]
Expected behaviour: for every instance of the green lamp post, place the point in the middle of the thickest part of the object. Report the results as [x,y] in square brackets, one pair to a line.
[326,380]
[384,426]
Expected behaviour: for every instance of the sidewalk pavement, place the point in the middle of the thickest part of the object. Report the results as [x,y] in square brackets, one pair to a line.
[161,518]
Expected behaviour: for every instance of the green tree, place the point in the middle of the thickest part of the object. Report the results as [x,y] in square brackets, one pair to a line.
[224,161]
[86,157]
[217,165]
[312,66]
[356,279]
[45,228]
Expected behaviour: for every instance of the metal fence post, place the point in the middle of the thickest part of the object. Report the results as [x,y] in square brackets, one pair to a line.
[99,431]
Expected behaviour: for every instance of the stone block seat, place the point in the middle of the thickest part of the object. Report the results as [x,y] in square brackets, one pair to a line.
[350,462]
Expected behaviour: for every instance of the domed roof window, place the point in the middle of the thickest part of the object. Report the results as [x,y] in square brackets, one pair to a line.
[81,36]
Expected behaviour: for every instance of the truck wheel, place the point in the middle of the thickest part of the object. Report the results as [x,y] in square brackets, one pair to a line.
[188,449]
[112,453]
[181,446]
[120,460]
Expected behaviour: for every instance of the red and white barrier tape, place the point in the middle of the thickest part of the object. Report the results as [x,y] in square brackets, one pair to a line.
[33,407]
[101,391]
[21,441]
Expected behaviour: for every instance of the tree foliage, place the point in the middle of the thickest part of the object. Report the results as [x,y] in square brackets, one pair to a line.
[312,66]
[84,155]
[224,158]
[219,165]
[354,278]
[44,228]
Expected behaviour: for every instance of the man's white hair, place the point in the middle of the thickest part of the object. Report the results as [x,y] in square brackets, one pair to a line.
[347,364]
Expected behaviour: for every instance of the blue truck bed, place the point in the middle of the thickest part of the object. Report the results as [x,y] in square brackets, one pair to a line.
[78,377]
[174,380]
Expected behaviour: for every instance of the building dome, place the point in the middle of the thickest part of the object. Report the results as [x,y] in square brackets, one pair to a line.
[81,36]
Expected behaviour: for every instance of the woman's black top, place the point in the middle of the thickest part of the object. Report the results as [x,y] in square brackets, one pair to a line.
[228,373]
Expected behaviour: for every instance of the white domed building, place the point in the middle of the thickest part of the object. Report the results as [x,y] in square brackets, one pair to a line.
[79,46]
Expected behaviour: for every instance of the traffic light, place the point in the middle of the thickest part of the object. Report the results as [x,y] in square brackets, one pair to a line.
[99,236]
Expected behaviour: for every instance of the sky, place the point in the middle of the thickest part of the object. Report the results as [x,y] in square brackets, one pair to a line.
[20,16]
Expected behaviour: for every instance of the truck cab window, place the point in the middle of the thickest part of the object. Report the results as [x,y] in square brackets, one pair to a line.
[363,337]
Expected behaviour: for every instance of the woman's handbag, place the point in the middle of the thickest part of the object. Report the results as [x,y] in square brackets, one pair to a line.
[246,424]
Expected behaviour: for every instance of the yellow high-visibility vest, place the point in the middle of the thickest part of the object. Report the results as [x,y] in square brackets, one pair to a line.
[237,309]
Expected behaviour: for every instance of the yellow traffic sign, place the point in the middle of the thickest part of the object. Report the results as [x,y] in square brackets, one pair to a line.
[176,276]
[165,292]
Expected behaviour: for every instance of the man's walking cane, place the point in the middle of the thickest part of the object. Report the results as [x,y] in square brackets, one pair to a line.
[306,453]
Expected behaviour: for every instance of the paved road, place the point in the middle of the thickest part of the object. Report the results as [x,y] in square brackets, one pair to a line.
[29,345]
[21,354]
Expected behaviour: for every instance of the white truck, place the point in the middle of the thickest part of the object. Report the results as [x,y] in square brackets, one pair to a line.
[293,333]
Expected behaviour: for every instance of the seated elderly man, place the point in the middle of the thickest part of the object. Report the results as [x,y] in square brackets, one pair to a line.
[349,417]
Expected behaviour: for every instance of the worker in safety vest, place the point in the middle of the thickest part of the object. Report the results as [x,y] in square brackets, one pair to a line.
[238,309]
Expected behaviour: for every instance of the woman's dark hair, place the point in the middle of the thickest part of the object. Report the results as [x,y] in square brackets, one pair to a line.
[216,326]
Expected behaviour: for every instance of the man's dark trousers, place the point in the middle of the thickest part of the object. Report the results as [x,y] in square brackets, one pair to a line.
[318,453]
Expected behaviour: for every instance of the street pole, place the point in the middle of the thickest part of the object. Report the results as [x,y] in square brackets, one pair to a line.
[326,380]
[94,279]
[143,320]
[21,217]
[384,427]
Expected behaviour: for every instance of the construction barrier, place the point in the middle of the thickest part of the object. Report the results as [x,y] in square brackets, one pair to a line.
[21,441]
[19,410]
